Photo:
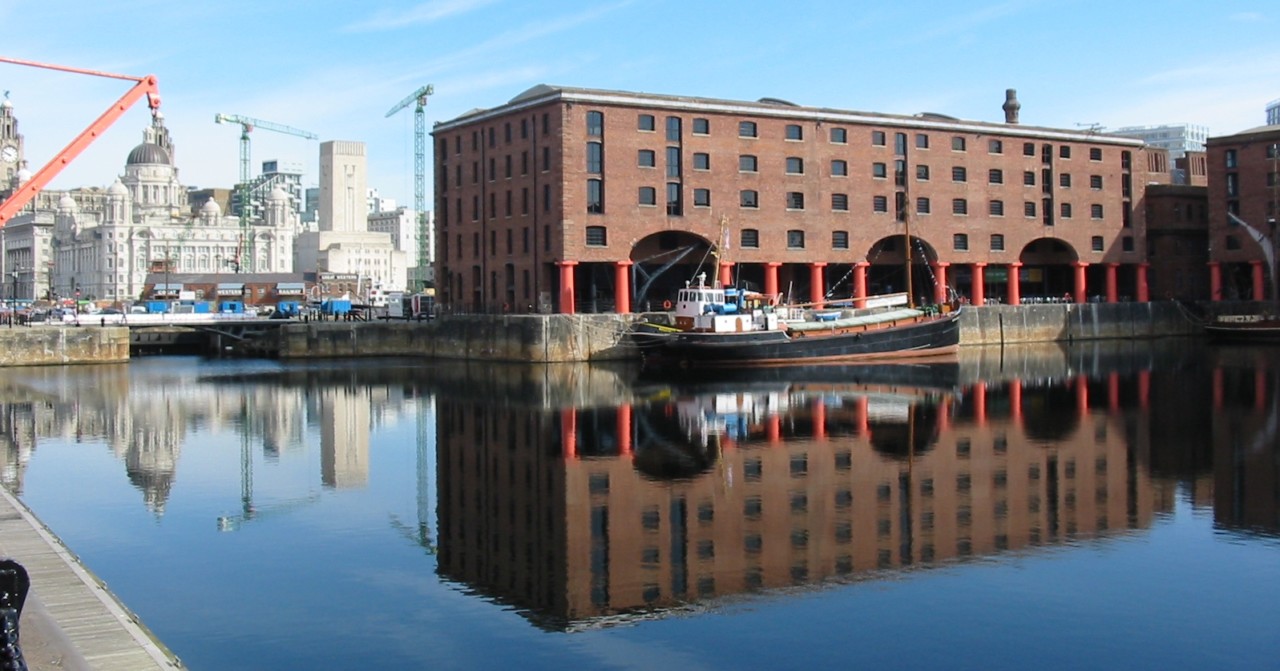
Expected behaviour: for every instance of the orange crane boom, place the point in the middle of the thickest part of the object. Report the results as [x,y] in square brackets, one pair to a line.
[144,86]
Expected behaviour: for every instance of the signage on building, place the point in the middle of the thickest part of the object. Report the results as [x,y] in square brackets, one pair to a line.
[338,277]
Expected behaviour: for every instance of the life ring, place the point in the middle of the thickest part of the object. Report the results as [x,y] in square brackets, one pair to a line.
[772,302]
[666,305]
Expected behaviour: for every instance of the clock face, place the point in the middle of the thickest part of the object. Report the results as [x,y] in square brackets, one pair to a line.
[9,153]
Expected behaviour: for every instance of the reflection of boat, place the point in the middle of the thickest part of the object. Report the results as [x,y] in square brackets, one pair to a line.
[1244,327]
[717,327]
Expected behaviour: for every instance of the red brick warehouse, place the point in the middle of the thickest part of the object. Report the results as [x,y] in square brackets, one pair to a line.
[579,200]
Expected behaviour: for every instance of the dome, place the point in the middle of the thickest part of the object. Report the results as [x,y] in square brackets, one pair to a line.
[148,153]
[66,202]
[117,189]
[277,194]
[6,104]
[211,208]
[24,175]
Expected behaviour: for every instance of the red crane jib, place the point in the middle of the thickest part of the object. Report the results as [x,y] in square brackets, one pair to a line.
[144,86]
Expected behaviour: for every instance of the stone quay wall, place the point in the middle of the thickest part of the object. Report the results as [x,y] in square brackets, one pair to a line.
[58,345]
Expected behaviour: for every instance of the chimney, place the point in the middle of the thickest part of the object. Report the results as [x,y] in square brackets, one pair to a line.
[1011,105]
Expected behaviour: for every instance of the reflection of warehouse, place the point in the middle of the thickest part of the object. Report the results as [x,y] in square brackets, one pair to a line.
[828,491]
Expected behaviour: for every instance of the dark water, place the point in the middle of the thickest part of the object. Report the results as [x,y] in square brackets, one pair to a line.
[1094,507]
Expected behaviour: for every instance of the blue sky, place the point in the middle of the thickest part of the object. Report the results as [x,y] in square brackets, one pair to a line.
[336,68]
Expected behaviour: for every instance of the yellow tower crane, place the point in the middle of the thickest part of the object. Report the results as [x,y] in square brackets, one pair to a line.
[419,173]
[245,253]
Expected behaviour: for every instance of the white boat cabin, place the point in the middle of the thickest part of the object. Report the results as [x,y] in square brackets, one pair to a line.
[724,310]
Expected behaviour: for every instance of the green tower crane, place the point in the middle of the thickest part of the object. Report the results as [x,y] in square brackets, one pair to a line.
[246,258]
[419,173]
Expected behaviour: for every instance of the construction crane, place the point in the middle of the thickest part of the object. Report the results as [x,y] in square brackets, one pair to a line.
[419,172]
[143,86]
[245,253]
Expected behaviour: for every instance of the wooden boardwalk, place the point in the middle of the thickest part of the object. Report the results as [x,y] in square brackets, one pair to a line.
[71,620]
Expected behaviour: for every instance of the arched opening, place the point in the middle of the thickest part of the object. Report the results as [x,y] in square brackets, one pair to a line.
[664,262]
[1047,271]
[890,261]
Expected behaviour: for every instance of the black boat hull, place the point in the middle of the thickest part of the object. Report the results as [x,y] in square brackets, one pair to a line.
[932,337]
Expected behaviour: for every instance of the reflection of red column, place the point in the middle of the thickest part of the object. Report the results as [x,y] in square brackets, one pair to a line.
[863,416]
[819,419]
[773,429]
[771,278]
[1258,292]
[726,273]
[1113,391]
[622,286]
[940,282]
[1144,290]
[860,283]
[1015,288]
[624,430]
[726,443]
[1218,393]
[1215,281]
[569,433]
[1144,388]
[1082,395]
[980,403]
[567,305]
[1015,401]
[1260,389]
[1113,295]
[1080,282]
[944,415]
[817,283]
[979,290]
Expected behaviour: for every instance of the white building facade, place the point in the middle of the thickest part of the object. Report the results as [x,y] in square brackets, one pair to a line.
[1178,138]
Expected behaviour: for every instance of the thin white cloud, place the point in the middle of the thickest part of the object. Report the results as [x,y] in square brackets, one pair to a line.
[964,23]
[1248,17]
[427,12]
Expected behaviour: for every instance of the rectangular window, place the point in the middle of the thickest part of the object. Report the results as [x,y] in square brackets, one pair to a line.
[645,122]
[995,176]
[1126,243]
[997,242]
[595,159]
[879,204]
[1097,243]
[795,239]
[673,129]
[595,125]
[1064,180]
[647,158]
[675,205]
[958,174]
[1064,151]
[1095,153]
[839,136]
[648,195]
[1095,211]
[702,197]
[701,161]
[748,198]
[546,159]
[1095,182]
[839,168]
[795,165]
[957,143]
[750,238]
[795,200]
[879,170]
[959,206]
[996,208]
[597,236]
[1029,178]
[1230,157]
[746,129]
[900,144]
[748,163]
[1029,208]
[673,161]
[595,196]
[701,127]
[995,147]
[960,242]
[922,205]
[1028,149]
[877,138]
[840,202]
[922,141]
[795,132]
[840,239]
[922,173]
[1065,210]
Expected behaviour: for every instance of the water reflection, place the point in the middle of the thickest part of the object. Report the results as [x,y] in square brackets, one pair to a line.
[586,496]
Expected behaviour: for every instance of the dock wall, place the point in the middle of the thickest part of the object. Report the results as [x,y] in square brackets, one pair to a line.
[57,345]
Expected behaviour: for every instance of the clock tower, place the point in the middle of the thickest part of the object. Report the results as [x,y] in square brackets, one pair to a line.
[11,156]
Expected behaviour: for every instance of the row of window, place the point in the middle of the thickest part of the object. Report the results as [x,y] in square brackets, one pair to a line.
[836,135]
[749,238]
